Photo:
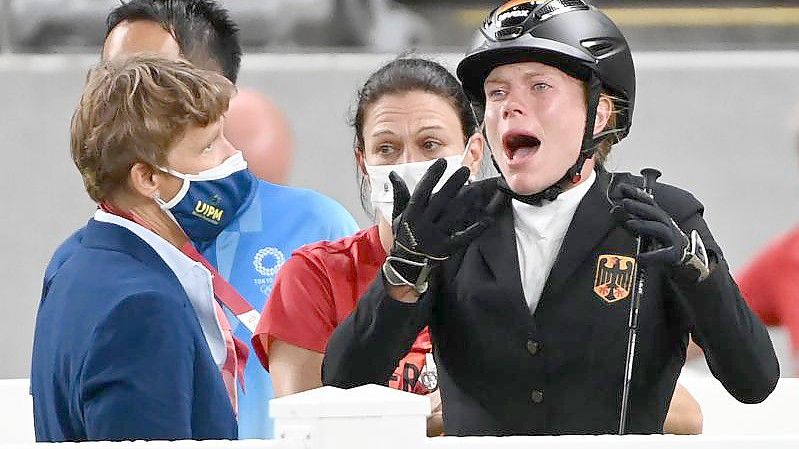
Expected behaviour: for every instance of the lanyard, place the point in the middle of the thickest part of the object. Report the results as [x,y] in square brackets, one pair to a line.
[225,292]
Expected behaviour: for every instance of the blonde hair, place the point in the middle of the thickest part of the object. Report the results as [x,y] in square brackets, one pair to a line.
[133,109]
[606,144]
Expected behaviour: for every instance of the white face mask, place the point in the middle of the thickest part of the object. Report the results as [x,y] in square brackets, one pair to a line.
[382,197]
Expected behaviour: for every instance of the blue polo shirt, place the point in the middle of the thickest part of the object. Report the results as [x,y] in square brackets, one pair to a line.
[249,253]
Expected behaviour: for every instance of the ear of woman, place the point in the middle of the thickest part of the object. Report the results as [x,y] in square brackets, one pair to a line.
[474,153]
[143,180]
[146,184]
[604,110]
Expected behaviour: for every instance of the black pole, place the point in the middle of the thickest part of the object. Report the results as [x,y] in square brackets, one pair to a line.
[639,280]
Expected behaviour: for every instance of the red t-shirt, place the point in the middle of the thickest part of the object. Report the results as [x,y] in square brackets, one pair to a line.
[770,285]
[318,288]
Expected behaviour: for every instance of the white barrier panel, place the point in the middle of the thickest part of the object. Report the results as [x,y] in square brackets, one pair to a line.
[383,418]
[16,411]
[723,415]
[244,444]
[363,417]
[616,442]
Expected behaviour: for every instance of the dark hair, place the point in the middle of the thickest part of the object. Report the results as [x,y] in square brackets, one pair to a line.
[202,29]
[408,74]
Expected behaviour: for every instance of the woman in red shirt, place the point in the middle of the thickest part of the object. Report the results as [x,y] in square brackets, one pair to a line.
[410,112]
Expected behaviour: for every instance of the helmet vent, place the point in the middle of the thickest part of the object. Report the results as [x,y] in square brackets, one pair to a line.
[598,47]
[558,7]
[509,33]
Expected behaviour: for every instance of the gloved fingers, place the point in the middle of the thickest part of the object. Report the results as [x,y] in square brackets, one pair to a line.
[442,200]
[645,211]
[462,209]
[619,215]
[662,255]
[401,194]
[463,237]
[654,229]
[632,192]
[421,196]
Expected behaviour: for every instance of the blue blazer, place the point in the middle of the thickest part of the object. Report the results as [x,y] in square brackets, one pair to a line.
[118,351]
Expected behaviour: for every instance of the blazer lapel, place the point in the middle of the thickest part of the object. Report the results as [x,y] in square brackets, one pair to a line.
[116,238]
[498,248]
[591,223]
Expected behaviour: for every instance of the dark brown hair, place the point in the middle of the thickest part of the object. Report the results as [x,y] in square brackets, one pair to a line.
[403,75]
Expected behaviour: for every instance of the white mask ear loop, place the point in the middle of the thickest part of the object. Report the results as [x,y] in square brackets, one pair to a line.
[184,188]
[164,207]
[158,200]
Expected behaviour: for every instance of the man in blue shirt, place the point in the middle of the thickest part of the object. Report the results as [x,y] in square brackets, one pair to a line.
[252,247]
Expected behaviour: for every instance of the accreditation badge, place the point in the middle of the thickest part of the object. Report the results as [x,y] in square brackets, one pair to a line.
[614,277]
[429,376]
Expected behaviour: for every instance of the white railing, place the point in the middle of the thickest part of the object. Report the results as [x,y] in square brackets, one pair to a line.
[376,417]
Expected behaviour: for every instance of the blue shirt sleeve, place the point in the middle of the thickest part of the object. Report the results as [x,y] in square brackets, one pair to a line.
[137,376]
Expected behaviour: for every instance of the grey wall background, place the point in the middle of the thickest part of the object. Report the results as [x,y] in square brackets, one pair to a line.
[717,124]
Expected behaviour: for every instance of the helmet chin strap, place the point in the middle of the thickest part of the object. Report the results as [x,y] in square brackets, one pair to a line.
[573,174]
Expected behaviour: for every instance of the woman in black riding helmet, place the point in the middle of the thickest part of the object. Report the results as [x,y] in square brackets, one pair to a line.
[528,295]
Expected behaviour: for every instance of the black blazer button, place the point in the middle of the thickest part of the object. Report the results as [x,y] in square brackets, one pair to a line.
[537,396]
[533,347]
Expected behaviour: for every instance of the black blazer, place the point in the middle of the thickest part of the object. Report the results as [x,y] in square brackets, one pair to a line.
[505,371]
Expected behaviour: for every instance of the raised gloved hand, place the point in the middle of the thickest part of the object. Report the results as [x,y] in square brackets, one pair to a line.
[431,226]
[669,245]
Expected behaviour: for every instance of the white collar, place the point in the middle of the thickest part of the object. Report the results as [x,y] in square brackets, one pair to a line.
[552,217]
[178,262]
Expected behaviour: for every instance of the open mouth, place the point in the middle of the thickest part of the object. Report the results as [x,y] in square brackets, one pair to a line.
[519,145]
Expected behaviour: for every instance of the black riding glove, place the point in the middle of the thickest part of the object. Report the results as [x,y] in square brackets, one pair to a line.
[669,245]
[430,227]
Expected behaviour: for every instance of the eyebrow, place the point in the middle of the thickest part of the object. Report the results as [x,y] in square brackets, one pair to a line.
[384,131]
[494,80]
[429,128]
[529,74]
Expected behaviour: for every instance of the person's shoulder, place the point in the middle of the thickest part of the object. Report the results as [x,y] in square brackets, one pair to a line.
[302,200]
[678,202]
[110,284]
[123,268]
[290,193]
[118,272]
[64,251]
[346,246]
[332,255]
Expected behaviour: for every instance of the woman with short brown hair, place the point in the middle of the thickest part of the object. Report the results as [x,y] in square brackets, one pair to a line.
[129,342]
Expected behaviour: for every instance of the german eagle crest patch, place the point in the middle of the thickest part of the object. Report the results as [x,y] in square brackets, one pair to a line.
[614,277]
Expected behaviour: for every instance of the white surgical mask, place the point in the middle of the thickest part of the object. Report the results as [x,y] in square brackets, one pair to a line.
[382,196]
